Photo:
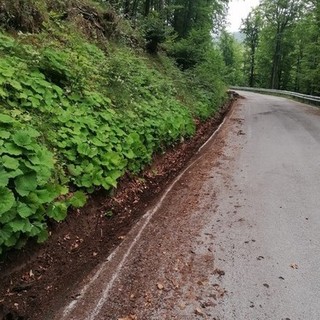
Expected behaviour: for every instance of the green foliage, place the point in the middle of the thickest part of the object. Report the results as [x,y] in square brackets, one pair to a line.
[155,31]
[74,114]
[282,46]
[27,188]
[232,55]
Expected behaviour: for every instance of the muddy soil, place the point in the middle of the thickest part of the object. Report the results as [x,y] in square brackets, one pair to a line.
[38,278]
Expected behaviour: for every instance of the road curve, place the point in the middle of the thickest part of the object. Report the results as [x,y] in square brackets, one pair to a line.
[236,237]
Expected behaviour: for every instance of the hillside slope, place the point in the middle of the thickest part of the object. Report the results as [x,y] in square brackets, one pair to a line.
[81,105]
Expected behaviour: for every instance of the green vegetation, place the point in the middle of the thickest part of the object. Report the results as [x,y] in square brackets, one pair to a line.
[282,46]
[86,96]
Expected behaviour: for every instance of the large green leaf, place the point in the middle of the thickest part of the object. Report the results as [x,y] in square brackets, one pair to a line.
[57,211]
[8,216]
[43,158]
[5,233]
[43,175]
[111,160]
[11,148]
[26,183]
[78,200]
[87,150]
[21,138]
[85,181]
[10,162]
[20,225]
[4,177]
[6,119]
[6,200]
[48,194]
[4,134]
[74,170]
[24,210]
[42,236]
[32,133]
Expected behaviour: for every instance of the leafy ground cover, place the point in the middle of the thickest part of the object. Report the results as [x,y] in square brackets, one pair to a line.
[75,116]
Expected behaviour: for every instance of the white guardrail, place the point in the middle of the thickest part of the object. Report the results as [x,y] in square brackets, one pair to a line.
[314,100]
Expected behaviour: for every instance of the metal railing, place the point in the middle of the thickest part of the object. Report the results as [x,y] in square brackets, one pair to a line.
[314,100]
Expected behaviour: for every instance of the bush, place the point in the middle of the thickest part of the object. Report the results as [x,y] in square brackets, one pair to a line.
[60,127]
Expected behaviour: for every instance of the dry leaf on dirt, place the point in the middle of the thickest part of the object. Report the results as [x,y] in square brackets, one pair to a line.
[160,286]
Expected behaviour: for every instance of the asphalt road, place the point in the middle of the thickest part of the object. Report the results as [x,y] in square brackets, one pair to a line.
[235,237]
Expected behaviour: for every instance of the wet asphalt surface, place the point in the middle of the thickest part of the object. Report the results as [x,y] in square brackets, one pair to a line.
[235,238]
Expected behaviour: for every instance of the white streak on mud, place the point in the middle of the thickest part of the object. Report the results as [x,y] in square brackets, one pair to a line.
[148,216]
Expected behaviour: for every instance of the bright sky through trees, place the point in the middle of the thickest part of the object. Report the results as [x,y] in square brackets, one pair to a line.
[239,9]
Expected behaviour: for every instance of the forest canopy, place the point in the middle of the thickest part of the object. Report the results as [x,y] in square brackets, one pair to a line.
[282,45]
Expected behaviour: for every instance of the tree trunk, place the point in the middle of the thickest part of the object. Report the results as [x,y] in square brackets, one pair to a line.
[147,7]
[275,81]
[126,8]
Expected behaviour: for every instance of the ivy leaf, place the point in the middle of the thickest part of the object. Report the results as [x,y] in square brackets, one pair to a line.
[21,138]
[10,163]
[26,183]
[78,200]
[7,200]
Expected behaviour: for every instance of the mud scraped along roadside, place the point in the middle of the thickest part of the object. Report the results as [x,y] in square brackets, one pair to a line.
[37,280]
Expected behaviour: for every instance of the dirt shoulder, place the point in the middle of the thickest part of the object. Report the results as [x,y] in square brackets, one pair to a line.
[37,279]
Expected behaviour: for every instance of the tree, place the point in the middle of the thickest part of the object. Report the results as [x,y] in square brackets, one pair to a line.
[307,51]
[251,27]
[231,54]
[279,16]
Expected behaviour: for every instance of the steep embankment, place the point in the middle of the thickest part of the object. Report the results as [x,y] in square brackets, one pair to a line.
[79,114]
[81,107]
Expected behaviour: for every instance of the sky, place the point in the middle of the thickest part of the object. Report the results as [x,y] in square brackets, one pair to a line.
[239,9]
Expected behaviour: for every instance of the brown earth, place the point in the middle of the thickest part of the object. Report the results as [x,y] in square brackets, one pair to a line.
[38,278]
